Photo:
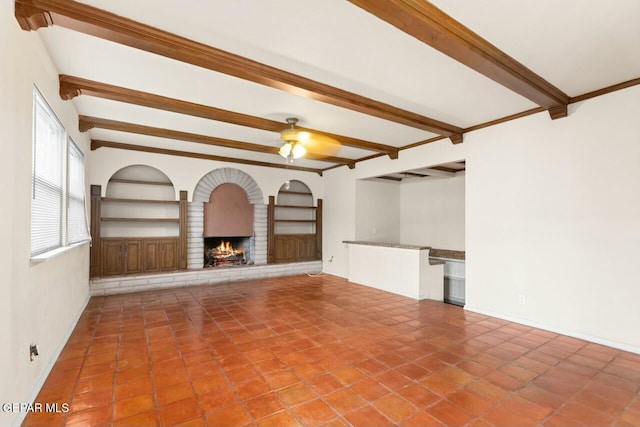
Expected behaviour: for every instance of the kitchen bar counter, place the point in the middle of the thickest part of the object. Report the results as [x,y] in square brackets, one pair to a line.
[386,245]
[433,252]
[447,253]
[402,269]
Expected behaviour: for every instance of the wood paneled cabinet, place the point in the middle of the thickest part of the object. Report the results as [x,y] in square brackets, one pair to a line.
[134,235]
[295,247]
[160,254]
[121,256]
[131,256]
[294,230]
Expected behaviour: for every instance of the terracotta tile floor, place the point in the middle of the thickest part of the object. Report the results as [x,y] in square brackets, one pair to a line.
[321,351]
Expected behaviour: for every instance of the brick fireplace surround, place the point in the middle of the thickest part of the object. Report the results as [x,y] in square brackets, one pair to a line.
[195,246]
[195,214]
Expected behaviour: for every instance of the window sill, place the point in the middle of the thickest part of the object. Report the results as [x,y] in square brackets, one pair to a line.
[37,259]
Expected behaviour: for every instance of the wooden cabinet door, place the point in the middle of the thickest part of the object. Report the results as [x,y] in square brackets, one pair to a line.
[124,256]
[133,256]
[280,249]
[294,247]
[168,254]
[151,258]
[308,247]
[112,261]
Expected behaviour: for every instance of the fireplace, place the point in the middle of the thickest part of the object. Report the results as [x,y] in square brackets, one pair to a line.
[228,227]
[227,203]
[226,251]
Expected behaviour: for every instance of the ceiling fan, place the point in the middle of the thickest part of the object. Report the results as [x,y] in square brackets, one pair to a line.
[298,142]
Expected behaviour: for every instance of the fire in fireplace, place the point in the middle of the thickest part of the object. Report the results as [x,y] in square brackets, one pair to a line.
[223,251]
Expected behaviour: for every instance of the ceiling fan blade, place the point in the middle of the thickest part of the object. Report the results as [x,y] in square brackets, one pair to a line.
[314,143]
[321,144]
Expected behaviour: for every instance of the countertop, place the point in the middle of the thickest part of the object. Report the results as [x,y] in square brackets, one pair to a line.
[386,245]
[433,252]
[446,253]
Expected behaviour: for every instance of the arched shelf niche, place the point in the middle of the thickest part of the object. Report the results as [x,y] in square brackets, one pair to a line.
[139,202]
[138,227]
[295,224]
[140,182]
[295,213]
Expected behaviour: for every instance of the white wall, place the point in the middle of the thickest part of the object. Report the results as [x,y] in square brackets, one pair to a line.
[339,216]
[377,211]
[39,303]
[552,213]
[432,212]
[185,173]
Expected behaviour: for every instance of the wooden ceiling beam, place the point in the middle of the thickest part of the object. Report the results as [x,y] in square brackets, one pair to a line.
[438,171]
[446,169]
[34,14]
[427,23]
[389,178]
[417,175]
[85,123]
[71,86]
[95,144]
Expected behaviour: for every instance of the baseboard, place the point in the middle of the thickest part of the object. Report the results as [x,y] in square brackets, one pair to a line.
[43,377]
[567,332]
[334,273]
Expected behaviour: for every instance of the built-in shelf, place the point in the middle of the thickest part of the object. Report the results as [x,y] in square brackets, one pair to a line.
[138,181]
[295,225]
[119,200]
[142,219]
[301,193]
[137,225]
[295,207]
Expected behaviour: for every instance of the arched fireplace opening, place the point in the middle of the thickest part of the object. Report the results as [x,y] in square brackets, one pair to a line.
[228,227]
[257,247]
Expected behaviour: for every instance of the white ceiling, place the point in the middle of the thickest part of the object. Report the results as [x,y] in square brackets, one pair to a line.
[577,45]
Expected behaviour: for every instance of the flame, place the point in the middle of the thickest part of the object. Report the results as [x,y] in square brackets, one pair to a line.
[225,249]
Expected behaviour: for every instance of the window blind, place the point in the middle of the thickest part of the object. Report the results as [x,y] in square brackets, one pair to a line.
[47,178]
[77,226]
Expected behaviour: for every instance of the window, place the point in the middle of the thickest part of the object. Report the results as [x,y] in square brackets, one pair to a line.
[77,227]
[58,213]
[47,182]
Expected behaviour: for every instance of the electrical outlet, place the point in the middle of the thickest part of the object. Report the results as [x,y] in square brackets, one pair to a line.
[522,300]
[33,351]
[330,259]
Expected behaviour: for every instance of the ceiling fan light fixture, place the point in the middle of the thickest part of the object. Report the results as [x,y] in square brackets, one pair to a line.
[285,150]
[292,150]
[297,142]
[293,140]
[289,135]
[298,151]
